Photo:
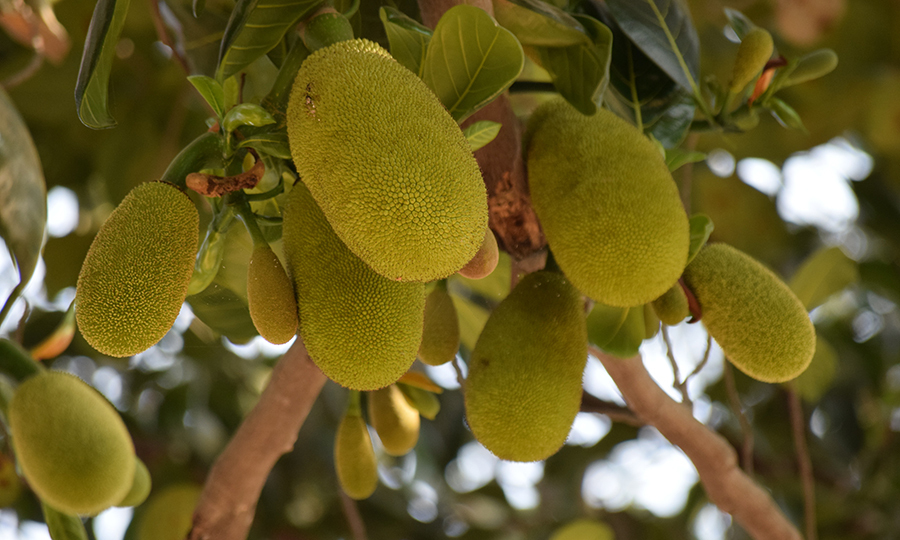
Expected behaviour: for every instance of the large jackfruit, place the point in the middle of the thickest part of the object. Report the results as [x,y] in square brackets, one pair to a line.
[387,164]
[524,385]
[360,328]
[761,326]
[71,444]
[608,204]
[136,273]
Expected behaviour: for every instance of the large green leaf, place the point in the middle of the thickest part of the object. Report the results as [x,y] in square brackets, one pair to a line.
[470,60]
[63,526]
[653,25]
[23,210]
[407,38]
[539,24]
[825,272]
[92,86]
[581,72]
[255,28]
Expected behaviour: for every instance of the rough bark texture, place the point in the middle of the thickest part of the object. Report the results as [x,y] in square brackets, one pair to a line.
[228,502]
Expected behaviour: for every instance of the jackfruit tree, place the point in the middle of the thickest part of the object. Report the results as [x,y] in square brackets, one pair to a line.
[496,269]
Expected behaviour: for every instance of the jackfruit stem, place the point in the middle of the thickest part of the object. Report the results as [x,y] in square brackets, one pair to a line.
[16,362]
[325,27]
[204,152]
[249,219]
[353,406]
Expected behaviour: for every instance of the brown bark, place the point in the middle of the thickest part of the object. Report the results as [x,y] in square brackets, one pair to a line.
[229,498]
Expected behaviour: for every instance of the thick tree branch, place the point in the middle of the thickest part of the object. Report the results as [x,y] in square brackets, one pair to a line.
[228,502]
[716,461]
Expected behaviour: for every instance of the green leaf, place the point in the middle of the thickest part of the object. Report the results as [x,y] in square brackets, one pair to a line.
[581,72]
[701,227]
[274,143]
[247,114]
[92,86]
[604,322]
[785,114]
[818,377]
[622,329]
[223,311]
[407,38]
[211,91]
[672,126]
[539,24]
[63,526]
[676,157]
[481,133]
[640,21]
[739,22]
[255,28]
[825,272]
[23,207]
[470,60]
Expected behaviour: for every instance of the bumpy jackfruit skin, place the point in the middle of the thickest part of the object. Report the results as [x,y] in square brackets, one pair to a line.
[387,164]
[609,207]
[354,458]
[672,307]
[760,324]
[270,296]
[136,273]
[524,385]
[71,444]
[169,513]
[360,328]
[753,53]
[394,419]
[440,334]
[484,262]
[140,486]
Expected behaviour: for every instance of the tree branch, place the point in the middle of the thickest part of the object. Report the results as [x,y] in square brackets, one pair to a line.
[229,498]
[716,461]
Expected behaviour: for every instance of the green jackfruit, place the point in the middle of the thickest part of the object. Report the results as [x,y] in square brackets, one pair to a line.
[524,385]
[270,296]
[761,326]
[71,444]
[672,306]
[484,262]
[394,419]
[354,458]
[440,334]
[609,207]
[135,276]
[389,167]
[360,328]
[584,529]
[169,514]
[140,486]
[753,53]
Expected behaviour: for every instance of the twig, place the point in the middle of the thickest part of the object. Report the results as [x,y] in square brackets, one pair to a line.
[229,498]
[798,426]
[716,461]
[746,428]
[160,27]
[354,519]
[211,185]
[25,73]
[703,361]
[459,374]
[676,373]
[616,413]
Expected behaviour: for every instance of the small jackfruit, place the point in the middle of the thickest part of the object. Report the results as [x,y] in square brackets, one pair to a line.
[440,333]
[584,529]
[394,419]
[140,486]
[71,444]
[360,328]
[484,262]
[608,204]
[761,326]
[524,385]
[169,514]
[270,296]
[672,307]
[354,458]
[136,273]
[753,53]
[389,167]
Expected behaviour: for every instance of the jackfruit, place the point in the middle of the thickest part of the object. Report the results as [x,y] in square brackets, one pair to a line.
[440,333]
[354,457]
[753,53]
[672,306]
[71,444]
[389,167]
[136,273]
[360,328]
[169,514]
[524,385]
[394,419]
[270,296]
[484,262]
[608,205]
[427,403]
[761,326]
[140,486]
[584,529]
